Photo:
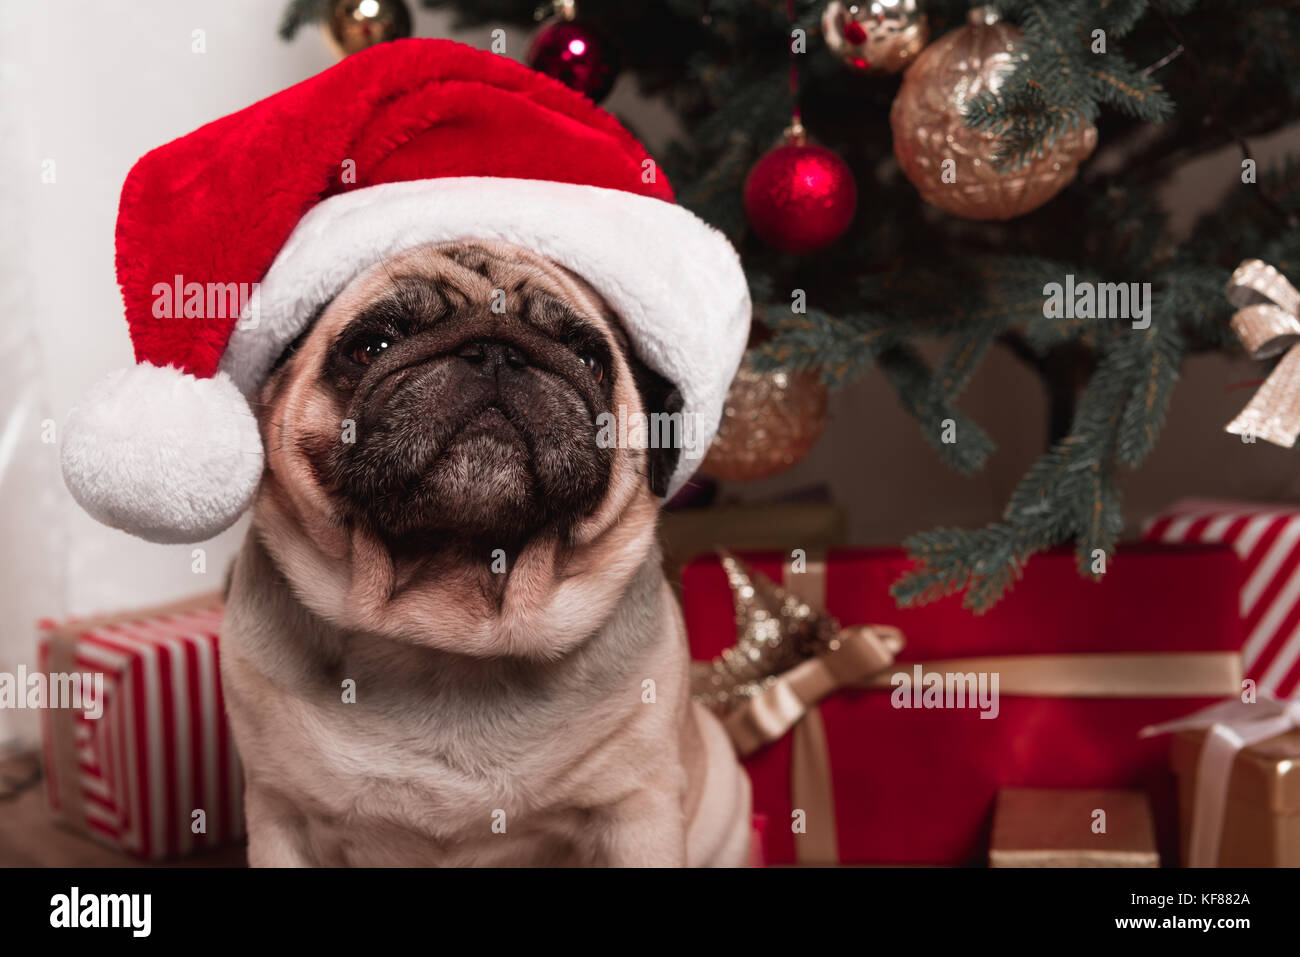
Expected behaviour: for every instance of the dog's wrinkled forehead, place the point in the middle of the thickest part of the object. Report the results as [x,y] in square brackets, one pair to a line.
[439,280]
[436,281]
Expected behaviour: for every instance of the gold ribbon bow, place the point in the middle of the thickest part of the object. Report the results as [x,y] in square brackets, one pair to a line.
[1267,322]
[854,655]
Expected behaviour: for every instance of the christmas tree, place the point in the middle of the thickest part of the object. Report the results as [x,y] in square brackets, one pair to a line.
[1022,241]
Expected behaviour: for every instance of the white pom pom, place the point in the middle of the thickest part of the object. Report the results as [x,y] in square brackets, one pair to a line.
[163,455]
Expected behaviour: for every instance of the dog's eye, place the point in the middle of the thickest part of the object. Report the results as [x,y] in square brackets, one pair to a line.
[368,350]
[592,363]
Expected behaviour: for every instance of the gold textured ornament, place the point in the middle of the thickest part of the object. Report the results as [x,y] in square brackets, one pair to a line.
[770,422]
[355,25]
[950,164]
[775,631]
[882,36]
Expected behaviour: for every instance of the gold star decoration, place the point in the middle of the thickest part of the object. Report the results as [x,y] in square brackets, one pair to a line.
[774,632]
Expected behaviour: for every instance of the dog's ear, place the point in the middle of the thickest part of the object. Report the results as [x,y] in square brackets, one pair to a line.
[659,396]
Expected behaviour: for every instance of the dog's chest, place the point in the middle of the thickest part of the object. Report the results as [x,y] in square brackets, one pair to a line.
[463,774]
[381,752]
[393,779]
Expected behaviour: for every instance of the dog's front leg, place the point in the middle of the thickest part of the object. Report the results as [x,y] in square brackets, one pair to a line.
[647,830]
[275,831]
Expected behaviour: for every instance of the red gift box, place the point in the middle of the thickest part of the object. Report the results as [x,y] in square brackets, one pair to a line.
[918,785]
[1267,540]
[132,771]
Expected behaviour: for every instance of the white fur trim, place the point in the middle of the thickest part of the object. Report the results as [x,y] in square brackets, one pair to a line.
[163,455]
[674,281]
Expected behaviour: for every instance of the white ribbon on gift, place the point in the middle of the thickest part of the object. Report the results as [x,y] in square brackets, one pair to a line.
[1232,726]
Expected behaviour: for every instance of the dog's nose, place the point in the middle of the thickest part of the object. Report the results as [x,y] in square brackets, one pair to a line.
[492,354]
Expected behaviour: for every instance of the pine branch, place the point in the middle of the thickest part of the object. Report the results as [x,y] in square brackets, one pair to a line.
[841,347]
[1067,494]
[299,13]
[1059,84]
[962,445]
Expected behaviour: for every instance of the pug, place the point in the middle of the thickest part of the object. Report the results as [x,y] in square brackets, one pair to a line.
[448,638]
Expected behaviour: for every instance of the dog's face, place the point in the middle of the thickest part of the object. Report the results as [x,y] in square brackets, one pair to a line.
[443,411]
[475,383]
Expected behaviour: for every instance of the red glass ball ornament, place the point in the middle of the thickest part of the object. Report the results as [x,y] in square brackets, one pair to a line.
[800,197]
[577,54]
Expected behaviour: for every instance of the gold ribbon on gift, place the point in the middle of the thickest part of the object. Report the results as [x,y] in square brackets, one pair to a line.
[863,657]
[1267,322]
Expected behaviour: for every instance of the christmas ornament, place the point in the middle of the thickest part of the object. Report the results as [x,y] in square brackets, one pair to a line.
[881,35]
[769,422]
[949,163]
[168,448]
[354,25]
[787,650]
[1267,322]
[800,197]
[575,52]
[775,631]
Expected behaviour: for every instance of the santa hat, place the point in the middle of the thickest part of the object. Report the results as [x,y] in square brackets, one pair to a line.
[230,239]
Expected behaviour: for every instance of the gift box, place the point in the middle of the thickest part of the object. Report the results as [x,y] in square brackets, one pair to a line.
[1267,539]
[1238,767]
[1261,817]
[1047,828]
[872,773]
[132,762]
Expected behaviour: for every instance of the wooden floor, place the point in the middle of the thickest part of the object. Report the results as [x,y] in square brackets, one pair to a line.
[30,838]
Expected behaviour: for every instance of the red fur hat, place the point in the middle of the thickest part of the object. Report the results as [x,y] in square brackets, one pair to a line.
[230,239]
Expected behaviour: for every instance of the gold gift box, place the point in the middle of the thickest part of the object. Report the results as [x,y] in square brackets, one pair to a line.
[1261,822]
[1051,828]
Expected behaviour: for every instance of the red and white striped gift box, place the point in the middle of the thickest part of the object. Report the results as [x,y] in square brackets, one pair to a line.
[1267,539]
[161,749]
